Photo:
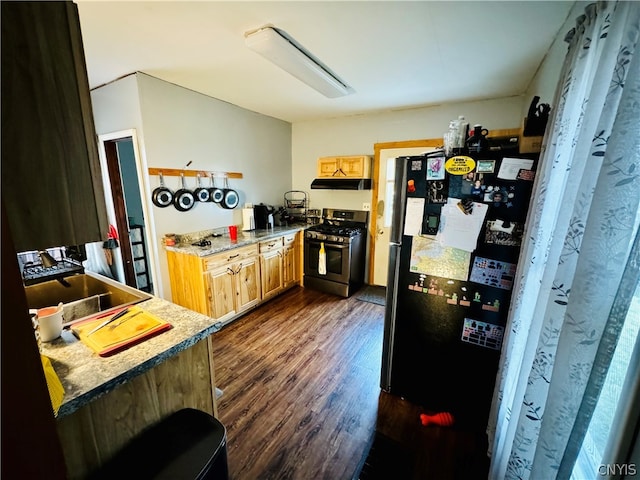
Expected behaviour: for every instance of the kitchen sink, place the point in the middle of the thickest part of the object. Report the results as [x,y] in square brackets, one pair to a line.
[83,295]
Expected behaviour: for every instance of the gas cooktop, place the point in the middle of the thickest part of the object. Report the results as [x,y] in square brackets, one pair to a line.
[339,225]
[341,230]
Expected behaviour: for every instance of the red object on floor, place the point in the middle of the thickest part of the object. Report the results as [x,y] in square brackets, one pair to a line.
[443,419]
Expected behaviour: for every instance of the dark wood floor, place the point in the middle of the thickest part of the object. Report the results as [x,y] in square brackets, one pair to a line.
[302,400]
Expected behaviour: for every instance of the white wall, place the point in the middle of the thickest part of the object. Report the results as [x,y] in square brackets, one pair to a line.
[545,82]
[357,135]
[176,125]
[119,110]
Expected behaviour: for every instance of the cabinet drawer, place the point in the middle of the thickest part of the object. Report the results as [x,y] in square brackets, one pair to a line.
[230,256]
[289,240]
[270,245]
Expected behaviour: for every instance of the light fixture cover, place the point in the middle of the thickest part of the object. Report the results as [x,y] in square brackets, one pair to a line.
[280,48]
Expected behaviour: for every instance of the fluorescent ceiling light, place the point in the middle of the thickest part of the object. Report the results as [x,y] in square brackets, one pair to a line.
[278,47]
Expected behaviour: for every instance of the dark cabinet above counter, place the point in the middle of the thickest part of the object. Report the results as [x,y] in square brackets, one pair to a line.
[51,178]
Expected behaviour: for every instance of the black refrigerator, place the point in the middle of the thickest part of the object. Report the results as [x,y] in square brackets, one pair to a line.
[455,240]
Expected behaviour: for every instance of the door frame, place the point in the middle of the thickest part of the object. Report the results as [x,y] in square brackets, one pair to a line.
[143,186]
[120,209]
[373,225]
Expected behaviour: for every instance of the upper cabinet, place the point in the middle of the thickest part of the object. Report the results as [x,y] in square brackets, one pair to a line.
[51,179]
[358,166]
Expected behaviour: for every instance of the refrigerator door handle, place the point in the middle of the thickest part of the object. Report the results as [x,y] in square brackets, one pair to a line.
[391,306]
[394,244]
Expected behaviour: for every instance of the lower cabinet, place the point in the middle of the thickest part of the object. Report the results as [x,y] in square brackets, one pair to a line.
[271,267]
[247,284]
[233,287]
[291,263]
[224,285]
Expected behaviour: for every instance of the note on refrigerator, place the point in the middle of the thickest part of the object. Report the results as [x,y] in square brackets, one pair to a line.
[509,167]
[413,216]
[460,230]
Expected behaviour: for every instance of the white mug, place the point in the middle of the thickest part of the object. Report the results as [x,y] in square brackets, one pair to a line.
[50,322]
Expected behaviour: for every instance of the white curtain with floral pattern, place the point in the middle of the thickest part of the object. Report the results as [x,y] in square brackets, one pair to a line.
[582,226]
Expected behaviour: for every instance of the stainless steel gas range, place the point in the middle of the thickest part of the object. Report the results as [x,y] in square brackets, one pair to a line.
[342,236]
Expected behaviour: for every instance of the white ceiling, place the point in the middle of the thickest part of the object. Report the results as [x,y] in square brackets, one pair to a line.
[395,54]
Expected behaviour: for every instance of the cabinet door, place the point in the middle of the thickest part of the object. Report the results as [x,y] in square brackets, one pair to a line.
[289,266]
[328,167]
[247,284]
[271,273]
[221,293]
[51,178]
[353,166]
[290,260]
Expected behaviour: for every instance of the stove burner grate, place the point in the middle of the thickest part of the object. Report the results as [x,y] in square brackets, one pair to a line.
[37,273]
[336,230]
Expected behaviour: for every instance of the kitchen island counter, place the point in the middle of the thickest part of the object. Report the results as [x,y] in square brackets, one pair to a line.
[109,400]
[86,376]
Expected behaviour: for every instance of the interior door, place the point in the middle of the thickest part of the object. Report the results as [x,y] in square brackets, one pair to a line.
[385,155]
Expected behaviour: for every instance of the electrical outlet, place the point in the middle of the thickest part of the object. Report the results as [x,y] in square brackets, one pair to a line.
[366,207]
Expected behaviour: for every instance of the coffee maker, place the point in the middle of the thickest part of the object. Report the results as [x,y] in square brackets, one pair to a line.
[262,213]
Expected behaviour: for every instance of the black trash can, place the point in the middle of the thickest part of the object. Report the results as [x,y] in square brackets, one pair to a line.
[187,445]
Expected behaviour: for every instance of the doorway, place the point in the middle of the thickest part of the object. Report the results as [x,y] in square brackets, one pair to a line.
[382,195]
[131,258]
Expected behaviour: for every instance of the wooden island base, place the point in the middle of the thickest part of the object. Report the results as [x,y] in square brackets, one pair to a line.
[95,432]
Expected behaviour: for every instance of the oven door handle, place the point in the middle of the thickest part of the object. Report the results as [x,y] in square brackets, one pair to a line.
[329,245]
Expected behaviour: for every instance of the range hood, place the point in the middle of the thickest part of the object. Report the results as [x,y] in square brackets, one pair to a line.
[341,183]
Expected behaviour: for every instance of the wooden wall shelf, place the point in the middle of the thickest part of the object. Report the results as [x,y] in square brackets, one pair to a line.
[176,172]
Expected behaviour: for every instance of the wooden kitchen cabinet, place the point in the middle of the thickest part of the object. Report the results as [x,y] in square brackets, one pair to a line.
[220,290]
[271,267]
[357,166]
[220,285]
[225,285]
[51,177]
[291,258]
[233,282]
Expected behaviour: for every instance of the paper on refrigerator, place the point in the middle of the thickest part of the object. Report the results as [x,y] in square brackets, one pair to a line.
[459,230]
[510,167]
[414,213]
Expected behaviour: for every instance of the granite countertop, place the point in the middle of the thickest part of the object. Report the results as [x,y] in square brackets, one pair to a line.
[223,243]
[86,376]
